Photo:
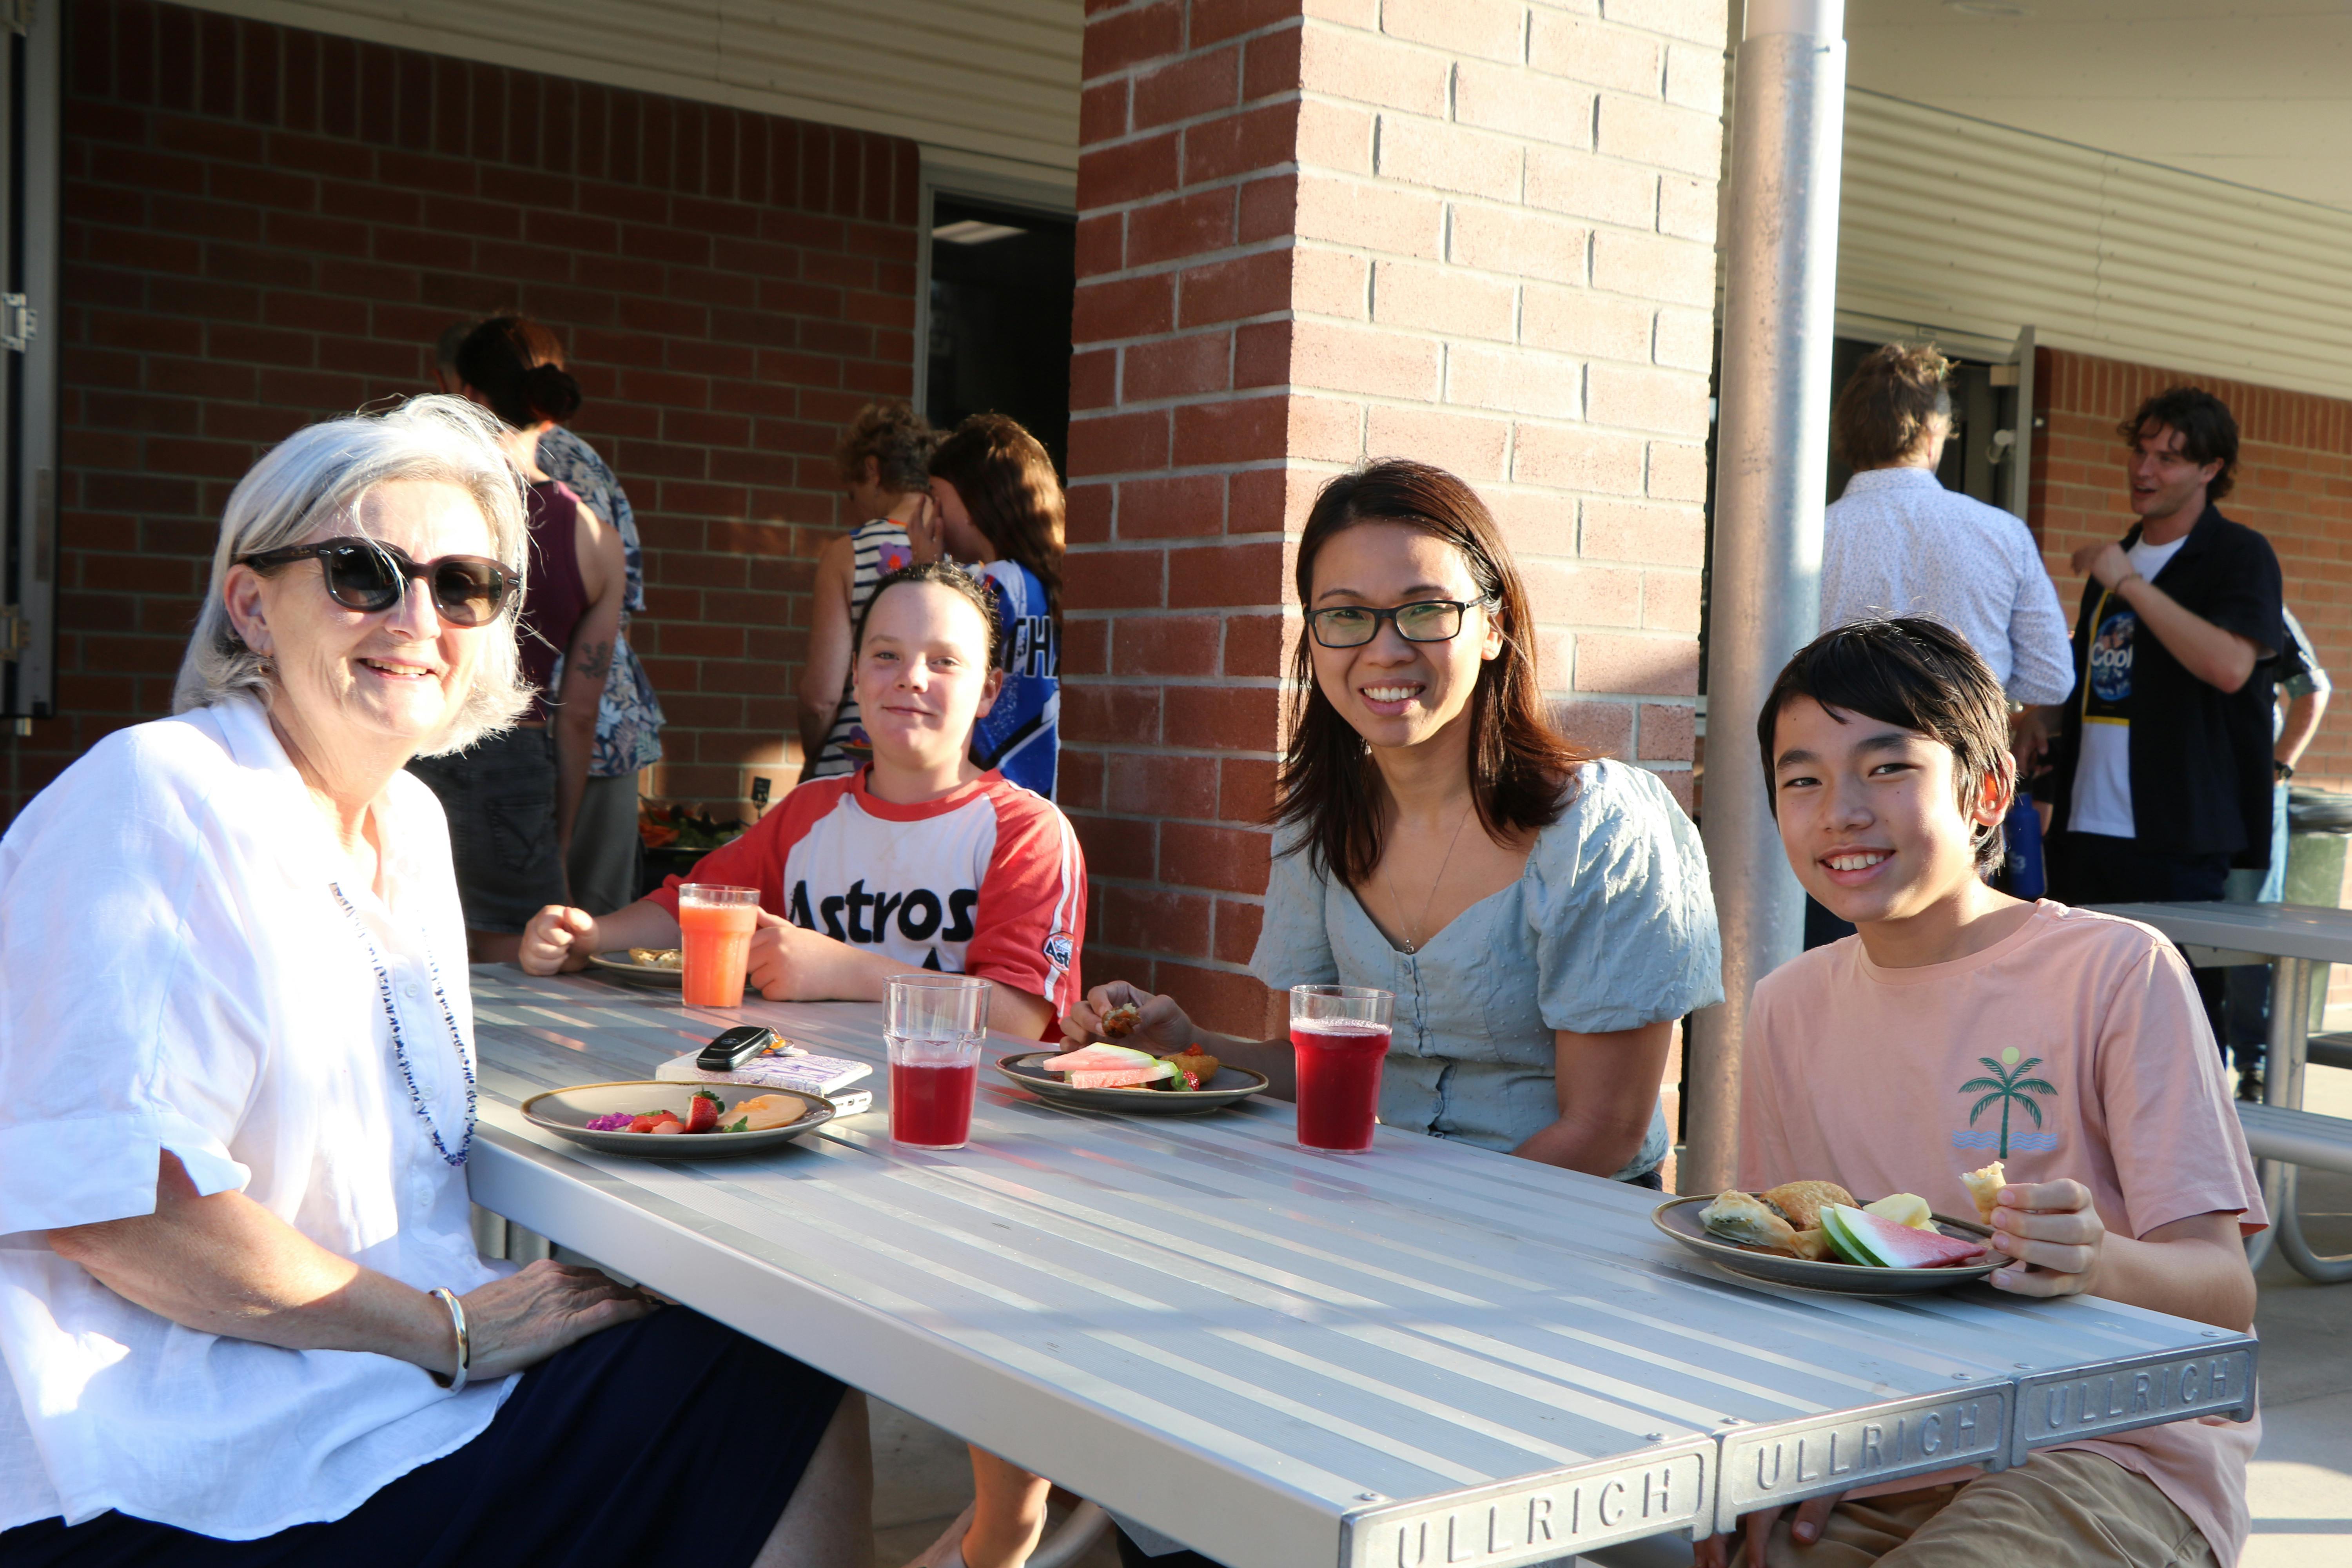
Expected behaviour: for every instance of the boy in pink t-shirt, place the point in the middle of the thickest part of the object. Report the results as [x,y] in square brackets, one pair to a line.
[1961,1026]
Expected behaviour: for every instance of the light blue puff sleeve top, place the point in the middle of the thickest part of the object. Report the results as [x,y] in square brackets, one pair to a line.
[1611,926]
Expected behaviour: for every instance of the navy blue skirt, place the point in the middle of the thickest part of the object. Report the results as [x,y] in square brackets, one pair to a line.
[670,1440]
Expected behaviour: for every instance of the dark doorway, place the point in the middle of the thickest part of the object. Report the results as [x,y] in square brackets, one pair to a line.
[1003,282]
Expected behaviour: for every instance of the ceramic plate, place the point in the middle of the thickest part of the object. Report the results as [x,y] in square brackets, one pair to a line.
[1678,1217]
[1231,1086]
[621,965]
[567,1111]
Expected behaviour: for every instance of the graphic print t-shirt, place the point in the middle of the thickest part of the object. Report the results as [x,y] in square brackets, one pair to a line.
[2075,1046]
[1020,736]
[2102,799]
[988,880]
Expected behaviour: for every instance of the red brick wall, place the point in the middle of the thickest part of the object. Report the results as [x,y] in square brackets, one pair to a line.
[2294,483]
[1480,235]
[1180,430]
[264,227]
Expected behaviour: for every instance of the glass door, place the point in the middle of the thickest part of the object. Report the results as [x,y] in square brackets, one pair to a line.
[31,325]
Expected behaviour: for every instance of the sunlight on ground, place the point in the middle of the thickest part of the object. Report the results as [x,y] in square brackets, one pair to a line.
[2300,1488]
[2303,1516]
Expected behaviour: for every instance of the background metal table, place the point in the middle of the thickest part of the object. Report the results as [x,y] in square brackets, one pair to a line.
[2290,938]
[1428,1354]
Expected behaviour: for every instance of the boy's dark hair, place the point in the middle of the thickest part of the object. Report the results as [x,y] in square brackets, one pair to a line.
[947,574]
[1913,672]
[898,440]
[2209,431]
[1887,405]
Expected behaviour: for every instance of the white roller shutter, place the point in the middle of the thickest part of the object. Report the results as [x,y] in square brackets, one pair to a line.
[1955,224]
[994,80]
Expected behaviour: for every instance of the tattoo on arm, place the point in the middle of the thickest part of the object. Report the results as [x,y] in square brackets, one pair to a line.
[595,661]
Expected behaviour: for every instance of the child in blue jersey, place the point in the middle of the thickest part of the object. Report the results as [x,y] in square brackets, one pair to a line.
[998,502]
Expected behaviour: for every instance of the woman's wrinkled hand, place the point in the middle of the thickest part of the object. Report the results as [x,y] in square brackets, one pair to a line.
[557,938]
[1163,1026]
[2054,1234]
[519,1321]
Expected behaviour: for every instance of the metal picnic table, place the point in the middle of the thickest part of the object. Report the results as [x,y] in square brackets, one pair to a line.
[1427,1355]
[2290,938]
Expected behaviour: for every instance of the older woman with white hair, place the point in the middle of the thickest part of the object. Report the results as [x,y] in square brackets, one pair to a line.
[240,1308]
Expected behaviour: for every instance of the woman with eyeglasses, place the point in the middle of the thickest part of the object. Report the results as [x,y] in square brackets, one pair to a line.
[1542,913]
[241,1312]
[513,800]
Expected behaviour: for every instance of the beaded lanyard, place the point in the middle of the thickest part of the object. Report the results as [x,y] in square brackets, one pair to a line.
[400,1046]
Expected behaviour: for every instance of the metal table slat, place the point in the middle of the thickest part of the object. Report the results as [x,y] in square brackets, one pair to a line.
[1430,1355]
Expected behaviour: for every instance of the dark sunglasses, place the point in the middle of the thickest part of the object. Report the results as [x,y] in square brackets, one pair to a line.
[367,575]
[1429,620]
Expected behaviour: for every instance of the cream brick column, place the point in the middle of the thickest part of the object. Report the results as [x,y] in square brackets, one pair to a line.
[1479,233]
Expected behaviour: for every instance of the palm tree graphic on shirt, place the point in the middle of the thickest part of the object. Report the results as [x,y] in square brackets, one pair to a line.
[2007,1086]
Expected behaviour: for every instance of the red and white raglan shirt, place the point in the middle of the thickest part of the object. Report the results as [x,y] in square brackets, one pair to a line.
[988,880]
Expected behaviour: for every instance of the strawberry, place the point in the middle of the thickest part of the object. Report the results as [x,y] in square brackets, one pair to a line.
[702,1113]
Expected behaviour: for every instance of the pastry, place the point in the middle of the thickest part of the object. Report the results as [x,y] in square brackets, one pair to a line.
[1195,1064]
[1813,1246]
[761,1112]
[1736,1216]
[1122,1020]
[658,957]
[1985,1187]
[1800,1203]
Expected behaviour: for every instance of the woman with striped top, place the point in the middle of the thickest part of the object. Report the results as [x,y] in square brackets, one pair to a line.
[885,457]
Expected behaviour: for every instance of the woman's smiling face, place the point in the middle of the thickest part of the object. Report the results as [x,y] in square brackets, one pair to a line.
[1395,692]
[398,675]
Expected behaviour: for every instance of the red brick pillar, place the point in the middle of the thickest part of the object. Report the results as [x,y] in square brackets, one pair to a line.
[1476,231]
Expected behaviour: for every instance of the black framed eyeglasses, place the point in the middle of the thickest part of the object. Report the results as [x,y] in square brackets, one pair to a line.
[369,575]
[1427,620]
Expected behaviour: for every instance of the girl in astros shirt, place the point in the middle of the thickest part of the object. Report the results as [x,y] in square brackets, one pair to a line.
[920,860]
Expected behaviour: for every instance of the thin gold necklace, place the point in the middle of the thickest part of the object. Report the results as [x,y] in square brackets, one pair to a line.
[1411,946]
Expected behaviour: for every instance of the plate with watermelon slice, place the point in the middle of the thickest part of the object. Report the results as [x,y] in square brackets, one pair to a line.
[1119,1077]
[1870,1253]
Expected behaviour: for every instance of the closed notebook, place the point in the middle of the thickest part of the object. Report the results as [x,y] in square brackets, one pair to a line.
[806,1074]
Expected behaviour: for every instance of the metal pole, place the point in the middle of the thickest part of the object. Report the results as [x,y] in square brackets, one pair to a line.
[1771,446]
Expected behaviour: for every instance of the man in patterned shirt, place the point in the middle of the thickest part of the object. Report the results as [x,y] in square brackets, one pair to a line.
[604,862]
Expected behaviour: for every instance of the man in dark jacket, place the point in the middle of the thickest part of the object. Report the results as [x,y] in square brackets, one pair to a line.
[2164,764]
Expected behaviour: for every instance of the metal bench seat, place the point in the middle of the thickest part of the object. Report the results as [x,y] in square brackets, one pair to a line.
[2300,1137]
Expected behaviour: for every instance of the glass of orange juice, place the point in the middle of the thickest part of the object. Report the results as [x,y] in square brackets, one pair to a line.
[715,926]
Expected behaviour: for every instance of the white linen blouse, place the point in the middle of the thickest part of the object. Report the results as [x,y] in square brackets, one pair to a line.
[186,963]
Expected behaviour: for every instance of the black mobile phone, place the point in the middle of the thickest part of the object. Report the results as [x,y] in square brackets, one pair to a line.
[736,1046]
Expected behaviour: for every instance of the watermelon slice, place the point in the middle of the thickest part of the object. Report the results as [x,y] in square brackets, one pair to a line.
[1109,1067]
[1098,1058]
[1872,1241]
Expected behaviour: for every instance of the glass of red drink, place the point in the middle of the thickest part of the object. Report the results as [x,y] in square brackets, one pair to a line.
[934,1026]
[1339,1034]
[714,925]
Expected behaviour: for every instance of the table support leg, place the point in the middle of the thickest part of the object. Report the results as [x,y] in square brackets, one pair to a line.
[2283,1070]
[2286,1219]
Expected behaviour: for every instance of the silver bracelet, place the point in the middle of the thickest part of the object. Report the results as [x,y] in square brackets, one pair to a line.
[465,1343]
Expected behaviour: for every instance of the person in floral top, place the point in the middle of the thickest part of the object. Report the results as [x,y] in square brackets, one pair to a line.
[603,861]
